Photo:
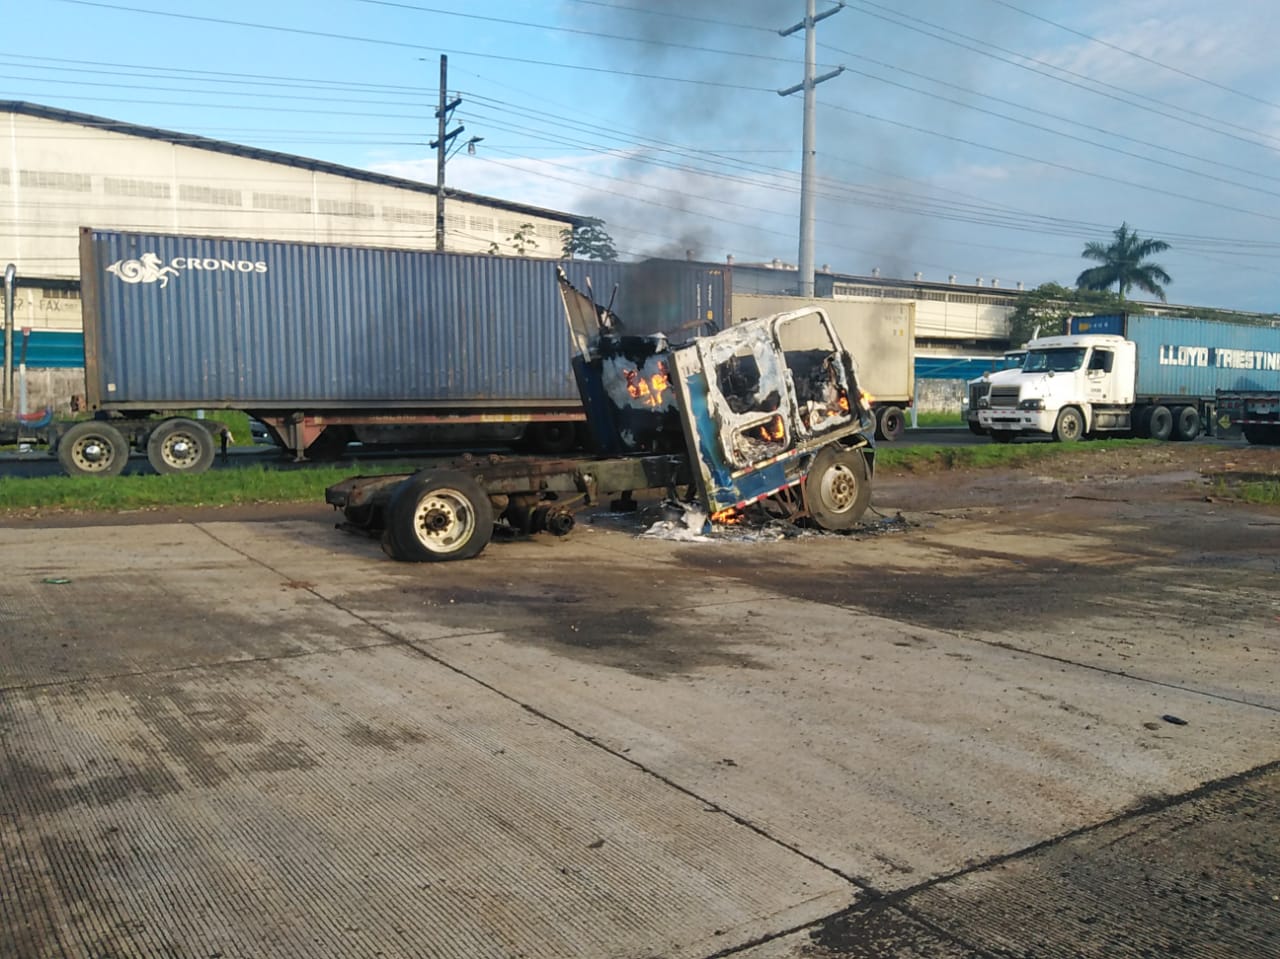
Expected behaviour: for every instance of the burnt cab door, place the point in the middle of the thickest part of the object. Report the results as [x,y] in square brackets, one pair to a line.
[758,396]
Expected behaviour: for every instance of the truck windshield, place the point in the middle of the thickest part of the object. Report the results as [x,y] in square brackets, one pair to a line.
[1060,360]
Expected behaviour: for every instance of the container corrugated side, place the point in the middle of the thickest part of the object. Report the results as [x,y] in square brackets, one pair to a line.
[174,321]
[1182,356]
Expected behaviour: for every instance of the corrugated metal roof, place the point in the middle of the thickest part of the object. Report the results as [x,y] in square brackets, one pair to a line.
[270,156]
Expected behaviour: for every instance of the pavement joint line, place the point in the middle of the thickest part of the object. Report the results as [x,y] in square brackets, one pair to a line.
[709,805]
[897,900]
[1221,697]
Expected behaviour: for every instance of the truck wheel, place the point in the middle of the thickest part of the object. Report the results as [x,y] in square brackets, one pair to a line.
[180,446]
[1186,423]
[837,489]
[438,515]
[976,430]
[1070,426]
[93,448]
[890,424]
[1002,436]
[1142,423]
[1262,435]
[1161,425]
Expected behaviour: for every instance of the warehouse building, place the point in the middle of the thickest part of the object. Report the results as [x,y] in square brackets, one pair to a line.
[61,170]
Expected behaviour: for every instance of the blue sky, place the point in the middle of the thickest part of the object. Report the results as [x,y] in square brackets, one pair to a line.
[988,138]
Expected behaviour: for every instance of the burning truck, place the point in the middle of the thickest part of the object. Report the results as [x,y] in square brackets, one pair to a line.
[767,414]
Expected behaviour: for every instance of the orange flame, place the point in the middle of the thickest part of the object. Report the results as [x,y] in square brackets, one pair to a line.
[651,390]
[774,430]
[726,517]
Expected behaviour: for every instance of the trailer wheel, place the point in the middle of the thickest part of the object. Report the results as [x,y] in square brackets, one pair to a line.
[438,515]
[837,489]
[890,423]
[1186,423]
[1070,426]
[1261,435]
[93,448]
[1161,424]
[180,446]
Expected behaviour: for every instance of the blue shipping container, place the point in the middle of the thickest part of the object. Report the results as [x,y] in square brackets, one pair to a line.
[1184,356]
[184,321]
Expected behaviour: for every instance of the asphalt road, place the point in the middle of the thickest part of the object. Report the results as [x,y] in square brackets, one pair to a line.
[1042,730]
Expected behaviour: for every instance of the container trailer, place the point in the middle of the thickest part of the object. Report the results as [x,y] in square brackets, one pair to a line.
[327,344]
[1118,374]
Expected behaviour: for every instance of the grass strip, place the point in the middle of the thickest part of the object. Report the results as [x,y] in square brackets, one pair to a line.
[989,455]
[232,487]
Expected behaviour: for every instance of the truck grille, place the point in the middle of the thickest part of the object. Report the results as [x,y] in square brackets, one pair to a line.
[1004,397]
[976,392]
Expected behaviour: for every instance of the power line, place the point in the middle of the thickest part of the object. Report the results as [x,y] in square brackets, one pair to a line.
[976,46]
[1137,56]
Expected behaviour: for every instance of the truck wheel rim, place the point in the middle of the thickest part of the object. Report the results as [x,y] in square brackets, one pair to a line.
[444,520]
[838,489]
[92,454]
[179,450]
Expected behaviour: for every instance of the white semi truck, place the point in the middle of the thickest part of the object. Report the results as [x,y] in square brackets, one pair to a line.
[1005,368]
[1129,374]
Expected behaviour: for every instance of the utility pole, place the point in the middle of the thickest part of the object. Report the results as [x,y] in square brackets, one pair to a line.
[810,133]
[441,143]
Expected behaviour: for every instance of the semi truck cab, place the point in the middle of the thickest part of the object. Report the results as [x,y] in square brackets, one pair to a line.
[1068,386]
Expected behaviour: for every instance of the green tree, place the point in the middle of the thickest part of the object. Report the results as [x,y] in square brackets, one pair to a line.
[523,240]
[1048,307]
[1124,264]
[589,241]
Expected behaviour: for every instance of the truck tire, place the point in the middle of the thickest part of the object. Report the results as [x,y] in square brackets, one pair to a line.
[976,430]
[93,448]
[1161,425]
[1186,423]
[1002,436]
[1142,423]
[436,516]
[1070,426]
[837,488]
[890,424]
[180,446]
[1261,435]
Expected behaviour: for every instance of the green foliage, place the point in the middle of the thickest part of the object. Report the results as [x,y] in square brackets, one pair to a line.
[1049,305]
[1261,492]
[1124,264]
[522,241]
[588,242]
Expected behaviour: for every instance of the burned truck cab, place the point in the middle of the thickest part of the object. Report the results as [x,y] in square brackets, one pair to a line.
[755,408]
[766,414]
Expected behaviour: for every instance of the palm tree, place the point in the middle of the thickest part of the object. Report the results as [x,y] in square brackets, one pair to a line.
[1123,266]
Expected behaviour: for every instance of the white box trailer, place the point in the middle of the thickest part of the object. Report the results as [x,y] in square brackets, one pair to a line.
[880,333]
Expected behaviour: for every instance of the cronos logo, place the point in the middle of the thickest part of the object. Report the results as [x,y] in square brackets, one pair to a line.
[149,268]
